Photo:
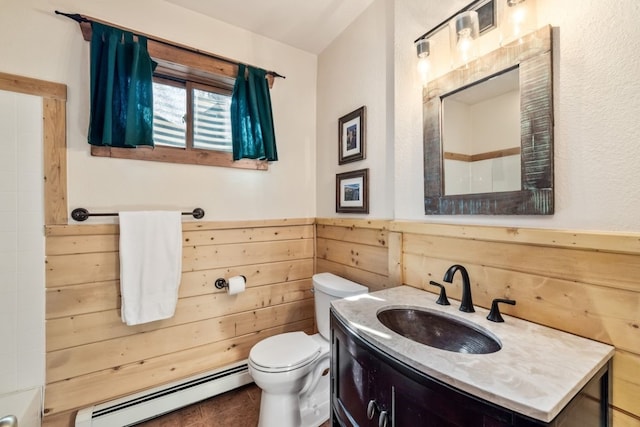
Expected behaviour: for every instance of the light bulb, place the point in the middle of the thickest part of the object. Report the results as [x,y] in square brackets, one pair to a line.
[424,67]
[465,45]
[423,49]
[518,17]
[463,30]
[520,20]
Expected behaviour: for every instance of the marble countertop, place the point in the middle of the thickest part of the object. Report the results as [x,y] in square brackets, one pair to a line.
[536,373]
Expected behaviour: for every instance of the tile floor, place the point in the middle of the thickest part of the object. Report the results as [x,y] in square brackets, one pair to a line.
[236,408]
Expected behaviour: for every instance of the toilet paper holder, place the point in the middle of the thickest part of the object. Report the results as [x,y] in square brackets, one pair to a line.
[222,283]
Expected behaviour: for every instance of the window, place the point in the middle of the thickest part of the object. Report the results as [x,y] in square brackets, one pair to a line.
[169,114]
[192,121]
[211,120]
[204,126]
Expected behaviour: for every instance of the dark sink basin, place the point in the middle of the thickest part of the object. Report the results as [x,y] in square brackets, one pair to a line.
[439,331]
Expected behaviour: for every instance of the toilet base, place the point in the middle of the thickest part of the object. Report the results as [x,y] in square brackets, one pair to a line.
[279,408]
[284,410]
[315,409]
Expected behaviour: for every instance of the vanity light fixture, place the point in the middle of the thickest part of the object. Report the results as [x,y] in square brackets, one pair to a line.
[423,50]
[518,20]
[466,25]
[464,29]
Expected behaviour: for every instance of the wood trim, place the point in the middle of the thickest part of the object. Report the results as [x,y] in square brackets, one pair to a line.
[61,419]
[615,242]
[55,161]
[482,156]
[359,235]
[99,229]
[496,154]
[54,130]
[188,64]
[395,259]
[179,155]
[382,224]
[628,243]
[457,156]
[30,86]
[173,54]
[180,58]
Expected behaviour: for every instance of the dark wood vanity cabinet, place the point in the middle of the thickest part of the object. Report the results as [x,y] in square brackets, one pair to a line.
[370,388]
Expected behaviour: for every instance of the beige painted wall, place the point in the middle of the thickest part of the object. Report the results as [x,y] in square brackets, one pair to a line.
[353,71]
[596,177]
[40,44]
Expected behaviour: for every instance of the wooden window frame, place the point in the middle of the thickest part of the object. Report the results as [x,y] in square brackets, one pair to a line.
[197,68]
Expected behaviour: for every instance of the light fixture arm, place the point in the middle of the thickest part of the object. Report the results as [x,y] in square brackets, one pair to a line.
[474,5]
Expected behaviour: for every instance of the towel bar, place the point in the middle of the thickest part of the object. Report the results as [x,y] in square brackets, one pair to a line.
[81,214]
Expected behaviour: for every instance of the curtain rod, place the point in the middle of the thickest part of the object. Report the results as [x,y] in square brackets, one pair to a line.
[81,18]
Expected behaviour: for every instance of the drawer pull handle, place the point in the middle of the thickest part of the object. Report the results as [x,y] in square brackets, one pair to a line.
[372,407]
[383,419]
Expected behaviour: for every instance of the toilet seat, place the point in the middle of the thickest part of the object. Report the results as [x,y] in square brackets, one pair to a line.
[284,352]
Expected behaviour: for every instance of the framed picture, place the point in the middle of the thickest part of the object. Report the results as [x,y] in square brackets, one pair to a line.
[352,191]
[351,130]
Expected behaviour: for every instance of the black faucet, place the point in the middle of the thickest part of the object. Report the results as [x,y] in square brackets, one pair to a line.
[494,314]
[467,304]
[442,299]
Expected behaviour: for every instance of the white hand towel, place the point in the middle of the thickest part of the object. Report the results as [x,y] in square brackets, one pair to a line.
[150,265]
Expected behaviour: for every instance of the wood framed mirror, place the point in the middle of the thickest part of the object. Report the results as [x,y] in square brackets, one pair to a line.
[530,61]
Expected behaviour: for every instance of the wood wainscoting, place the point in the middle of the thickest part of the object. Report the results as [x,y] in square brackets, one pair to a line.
[93,357]
[585,283]
[363,251]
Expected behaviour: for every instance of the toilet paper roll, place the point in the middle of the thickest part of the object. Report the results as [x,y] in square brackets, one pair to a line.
[236,284]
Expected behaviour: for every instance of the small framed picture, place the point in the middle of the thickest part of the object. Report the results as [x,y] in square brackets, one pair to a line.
[352,129]
[352,191]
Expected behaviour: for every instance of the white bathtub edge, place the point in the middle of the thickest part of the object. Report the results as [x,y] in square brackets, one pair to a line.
[25,405]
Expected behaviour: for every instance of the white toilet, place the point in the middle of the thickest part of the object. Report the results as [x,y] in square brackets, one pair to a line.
[292,368]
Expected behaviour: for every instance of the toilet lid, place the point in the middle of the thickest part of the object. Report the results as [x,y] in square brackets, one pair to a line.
[285,351]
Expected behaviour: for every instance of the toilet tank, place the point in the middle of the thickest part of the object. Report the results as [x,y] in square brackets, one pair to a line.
[328,287]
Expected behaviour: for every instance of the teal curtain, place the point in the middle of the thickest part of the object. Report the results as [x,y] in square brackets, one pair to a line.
[252,133]
[121,89]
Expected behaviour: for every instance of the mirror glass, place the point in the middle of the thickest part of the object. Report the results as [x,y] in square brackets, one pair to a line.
[481,136]
[488,133]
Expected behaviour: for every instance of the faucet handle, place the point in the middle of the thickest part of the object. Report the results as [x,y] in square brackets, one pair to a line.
[494,314]
[442,299]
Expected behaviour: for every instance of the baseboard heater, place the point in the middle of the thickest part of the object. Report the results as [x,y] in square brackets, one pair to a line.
[136,408]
